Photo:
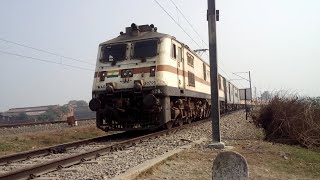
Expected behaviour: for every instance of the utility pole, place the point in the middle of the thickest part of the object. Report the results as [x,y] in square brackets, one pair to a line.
[250,91]
[245,102]
[215,109]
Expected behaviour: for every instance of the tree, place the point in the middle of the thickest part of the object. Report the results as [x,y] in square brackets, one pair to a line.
[64,109]
[81,103]
[22,117]
[53,114]
[81,109]
[265,96]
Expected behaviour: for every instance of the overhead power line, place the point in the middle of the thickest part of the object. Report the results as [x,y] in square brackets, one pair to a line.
[177,23]
[44,51]
[220,68]
[191,27]
[189,23]
[224,72]
[43,60]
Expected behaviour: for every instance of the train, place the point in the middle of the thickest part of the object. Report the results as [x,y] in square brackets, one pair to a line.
[145,80]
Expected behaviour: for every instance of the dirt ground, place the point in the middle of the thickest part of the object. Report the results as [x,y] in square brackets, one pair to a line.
[265,160]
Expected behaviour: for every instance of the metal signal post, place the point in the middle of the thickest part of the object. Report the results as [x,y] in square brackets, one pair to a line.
[215,109]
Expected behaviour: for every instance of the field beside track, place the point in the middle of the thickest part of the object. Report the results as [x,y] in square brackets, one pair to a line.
[266,160]
[32,140]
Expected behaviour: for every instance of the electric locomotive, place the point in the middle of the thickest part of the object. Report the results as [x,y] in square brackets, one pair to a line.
[145,80]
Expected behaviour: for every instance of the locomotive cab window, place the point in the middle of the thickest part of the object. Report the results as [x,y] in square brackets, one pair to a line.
[113,53]
[145,49]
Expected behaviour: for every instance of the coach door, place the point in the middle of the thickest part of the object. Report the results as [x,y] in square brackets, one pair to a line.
[180,68]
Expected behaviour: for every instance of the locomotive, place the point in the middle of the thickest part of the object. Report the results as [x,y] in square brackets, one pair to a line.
[145,80]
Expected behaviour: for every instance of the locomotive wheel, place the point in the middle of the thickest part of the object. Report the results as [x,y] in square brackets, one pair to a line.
[168,125]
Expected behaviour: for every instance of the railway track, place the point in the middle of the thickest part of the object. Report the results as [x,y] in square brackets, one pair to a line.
[32,164]
[39,123]
[25,165]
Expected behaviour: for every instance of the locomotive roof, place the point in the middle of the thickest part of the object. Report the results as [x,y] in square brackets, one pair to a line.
[145,32]
[143,35]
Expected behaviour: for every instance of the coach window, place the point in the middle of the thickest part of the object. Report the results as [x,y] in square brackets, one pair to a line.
[174,51]
[191,79]
[190,59]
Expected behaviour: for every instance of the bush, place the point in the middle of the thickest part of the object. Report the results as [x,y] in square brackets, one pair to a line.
[291,120]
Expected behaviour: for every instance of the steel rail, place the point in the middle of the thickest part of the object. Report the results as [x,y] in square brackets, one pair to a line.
[7,159]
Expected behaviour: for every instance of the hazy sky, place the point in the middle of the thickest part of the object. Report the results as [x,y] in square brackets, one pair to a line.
[277,40]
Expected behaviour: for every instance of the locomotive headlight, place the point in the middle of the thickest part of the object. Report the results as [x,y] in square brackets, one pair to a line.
[126,73]
[152,71]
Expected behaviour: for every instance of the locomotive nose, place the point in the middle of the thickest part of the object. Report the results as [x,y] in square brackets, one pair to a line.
[94,104]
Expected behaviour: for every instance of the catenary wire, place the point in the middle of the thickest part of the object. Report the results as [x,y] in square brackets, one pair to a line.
[190,26]
[43,60]
[44,51]
[189,23]
[177,23]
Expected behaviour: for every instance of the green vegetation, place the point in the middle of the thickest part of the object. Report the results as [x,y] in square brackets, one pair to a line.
[81,109]
[300,160]
[23,116]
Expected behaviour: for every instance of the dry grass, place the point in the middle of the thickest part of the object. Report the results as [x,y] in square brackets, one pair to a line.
[285,161]
[266,161]
[291,119]
[28,141]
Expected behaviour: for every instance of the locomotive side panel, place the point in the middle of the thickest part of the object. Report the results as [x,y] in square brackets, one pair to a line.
[194,74]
